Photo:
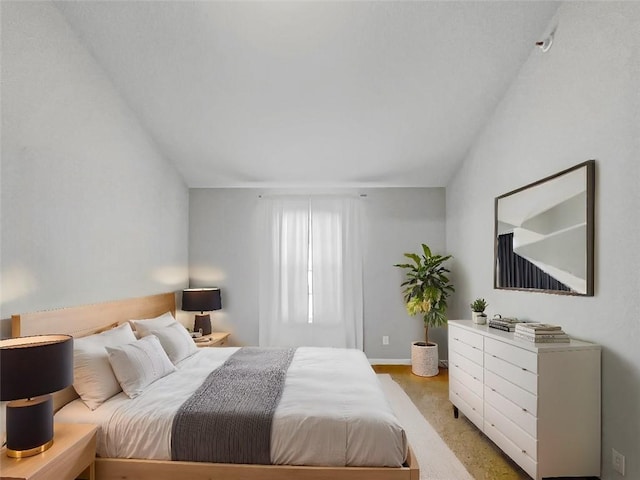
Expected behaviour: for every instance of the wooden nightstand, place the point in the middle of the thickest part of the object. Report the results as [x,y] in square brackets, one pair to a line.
[73,452]
[215,339]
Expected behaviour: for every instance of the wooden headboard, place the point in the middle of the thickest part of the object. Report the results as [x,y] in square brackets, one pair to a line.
[88,319]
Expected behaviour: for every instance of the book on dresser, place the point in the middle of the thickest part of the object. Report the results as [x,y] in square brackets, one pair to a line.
[540,333]
[505,320]
[559,338]
[537,327]
[504,324]
[499,326]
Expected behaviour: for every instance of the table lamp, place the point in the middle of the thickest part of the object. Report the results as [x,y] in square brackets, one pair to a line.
[201,300]
[31,368]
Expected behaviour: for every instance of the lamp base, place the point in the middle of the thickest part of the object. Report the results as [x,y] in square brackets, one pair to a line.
[29,426]
[31,452]
[203,322]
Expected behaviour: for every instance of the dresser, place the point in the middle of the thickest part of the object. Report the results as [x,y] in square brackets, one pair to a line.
[540,403]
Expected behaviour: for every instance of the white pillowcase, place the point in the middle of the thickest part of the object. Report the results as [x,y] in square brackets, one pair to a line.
[93,377]
[163,320]
[137,365]
[174,338]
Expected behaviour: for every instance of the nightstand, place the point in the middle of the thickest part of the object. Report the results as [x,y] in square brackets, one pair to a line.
[215,339]
[73,452]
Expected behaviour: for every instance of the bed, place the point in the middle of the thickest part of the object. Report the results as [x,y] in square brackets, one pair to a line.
[86,320]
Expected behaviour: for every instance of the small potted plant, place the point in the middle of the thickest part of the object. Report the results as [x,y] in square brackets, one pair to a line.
[477,311]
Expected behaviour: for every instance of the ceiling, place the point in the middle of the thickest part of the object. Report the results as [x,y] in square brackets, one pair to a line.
[257,94]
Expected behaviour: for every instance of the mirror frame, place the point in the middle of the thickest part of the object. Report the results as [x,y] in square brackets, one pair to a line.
[589,240]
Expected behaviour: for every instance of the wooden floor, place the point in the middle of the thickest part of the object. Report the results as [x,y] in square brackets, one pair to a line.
[482,459]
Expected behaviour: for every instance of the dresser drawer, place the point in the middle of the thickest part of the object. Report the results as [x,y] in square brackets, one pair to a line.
[517,375]
[457,397]
[458,361]
[515,355]
[468,396]
[517,395]
[518,415]
[527,463]
[472,383]
[527,444]
[465,336]
[472,353]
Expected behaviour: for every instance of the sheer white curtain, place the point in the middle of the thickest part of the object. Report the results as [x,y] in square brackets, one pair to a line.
[310,272]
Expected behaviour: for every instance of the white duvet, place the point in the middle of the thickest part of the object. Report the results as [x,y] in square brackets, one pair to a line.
[332,412]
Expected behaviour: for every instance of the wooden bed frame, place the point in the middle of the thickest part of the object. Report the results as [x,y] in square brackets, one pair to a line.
[88,319]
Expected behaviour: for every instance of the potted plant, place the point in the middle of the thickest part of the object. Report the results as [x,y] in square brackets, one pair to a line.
[477,311]
[426,289]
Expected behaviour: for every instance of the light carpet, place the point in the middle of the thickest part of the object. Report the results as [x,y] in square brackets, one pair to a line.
[436,460]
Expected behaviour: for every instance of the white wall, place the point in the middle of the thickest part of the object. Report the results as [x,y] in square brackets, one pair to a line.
[223,252]
[91,211]
[577,102]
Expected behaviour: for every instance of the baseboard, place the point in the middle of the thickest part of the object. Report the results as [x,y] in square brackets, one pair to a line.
[390,361]
[402,361]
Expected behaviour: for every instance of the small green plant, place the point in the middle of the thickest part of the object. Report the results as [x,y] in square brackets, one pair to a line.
[479,304]
[426,288]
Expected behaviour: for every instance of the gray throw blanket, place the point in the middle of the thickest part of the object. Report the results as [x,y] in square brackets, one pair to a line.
[228,418]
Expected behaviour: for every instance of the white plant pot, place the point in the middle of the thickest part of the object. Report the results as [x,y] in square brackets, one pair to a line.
[424,359]
[479,317]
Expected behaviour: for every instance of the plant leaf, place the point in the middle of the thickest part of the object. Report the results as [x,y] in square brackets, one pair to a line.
[426,287]
[414,257]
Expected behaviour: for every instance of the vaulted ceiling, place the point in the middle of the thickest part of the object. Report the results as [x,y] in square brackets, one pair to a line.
[312,93]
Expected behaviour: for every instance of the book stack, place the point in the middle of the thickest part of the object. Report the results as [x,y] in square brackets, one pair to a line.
[506,324]
[540,333]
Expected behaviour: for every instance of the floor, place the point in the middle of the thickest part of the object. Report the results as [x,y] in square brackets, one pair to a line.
[482,459]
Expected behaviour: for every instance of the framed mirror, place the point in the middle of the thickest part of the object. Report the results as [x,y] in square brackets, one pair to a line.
[544,234]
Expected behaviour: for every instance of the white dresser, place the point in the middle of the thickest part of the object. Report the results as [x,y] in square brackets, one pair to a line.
[540,403]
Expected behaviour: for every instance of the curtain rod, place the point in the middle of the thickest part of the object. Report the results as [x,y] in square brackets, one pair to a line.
[276,195]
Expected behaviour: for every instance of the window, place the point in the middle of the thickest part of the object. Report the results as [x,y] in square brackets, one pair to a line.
[310,271]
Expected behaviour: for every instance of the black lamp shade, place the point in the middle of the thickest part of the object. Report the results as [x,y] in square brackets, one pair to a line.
[34,366]
[31,368]
[201,299]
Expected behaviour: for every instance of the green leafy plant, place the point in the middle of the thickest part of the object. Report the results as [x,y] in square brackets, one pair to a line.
[479,304]
[426,288]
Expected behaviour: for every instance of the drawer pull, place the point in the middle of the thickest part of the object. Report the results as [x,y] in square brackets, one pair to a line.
[492,425]
[472,408]
[524,451]
[475,378]
[493,389]
[456,365]
[524,409]
[524,369]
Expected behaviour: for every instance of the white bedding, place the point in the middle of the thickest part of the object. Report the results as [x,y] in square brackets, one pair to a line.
[332,412]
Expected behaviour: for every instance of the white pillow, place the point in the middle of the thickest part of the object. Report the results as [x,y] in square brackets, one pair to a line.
[163,320]
[174,338]
[137,365]
[93,377]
